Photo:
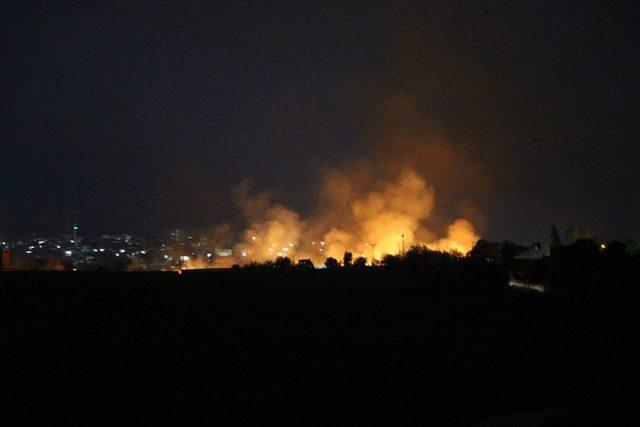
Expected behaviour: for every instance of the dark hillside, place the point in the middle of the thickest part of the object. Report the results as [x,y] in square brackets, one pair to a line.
[292,347]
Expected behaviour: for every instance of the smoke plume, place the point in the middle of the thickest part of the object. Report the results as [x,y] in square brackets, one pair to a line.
[377,205]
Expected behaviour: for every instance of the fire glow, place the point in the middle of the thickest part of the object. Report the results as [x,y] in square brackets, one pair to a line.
[381,204]
[380,222]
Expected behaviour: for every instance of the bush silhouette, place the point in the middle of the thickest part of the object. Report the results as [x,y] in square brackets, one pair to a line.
[283,262]
[332,263]
[306,264]
[360,262]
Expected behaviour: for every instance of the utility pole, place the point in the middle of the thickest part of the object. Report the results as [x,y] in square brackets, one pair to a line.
[402,244]
[373,253]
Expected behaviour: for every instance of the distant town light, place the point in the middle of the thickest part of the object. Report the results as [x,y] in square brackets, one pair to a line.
[143,252]
[603,246]
[68,253]
[122,251]
[28,252]
[209,255]
[101,249]
[184,258]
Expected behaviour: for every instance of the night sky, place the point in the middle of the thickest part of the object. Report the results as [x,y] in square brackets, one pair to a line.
[143,115]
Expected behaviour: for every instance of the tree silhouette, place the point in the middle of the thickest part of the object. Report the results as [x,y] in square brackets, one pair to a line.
[305,264]
[332,263]
[391,261]
[360,262]
[486,251]
[347,259]
[283,262]
[555,239]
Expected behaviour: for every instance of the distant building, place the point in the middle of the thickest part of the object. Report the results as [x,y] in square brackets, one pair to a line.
[224,252]
[531,252]
[5,261]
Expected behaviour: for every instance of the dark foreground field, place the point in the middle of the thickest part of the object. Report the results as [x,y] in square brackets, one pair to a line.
[86,349]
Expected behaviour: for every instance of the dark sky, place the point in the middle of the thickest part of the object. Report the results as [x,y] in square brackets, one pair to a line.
[121,113]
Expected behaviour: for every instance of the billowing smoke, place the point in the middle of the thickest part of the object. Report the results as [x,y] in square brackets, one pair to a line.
[380,217]
[375,206]
[272,231]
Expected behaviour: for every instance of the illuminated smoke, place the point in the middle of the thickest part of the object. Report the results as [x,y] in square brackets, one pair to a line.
[376,222]
[381,216]
[376,204]
[461,237]
[273,230]
[370,225]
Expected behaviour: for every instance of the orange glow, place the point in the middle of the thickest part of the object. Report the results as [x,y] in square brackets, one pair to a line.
[368,206]
[370,224]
